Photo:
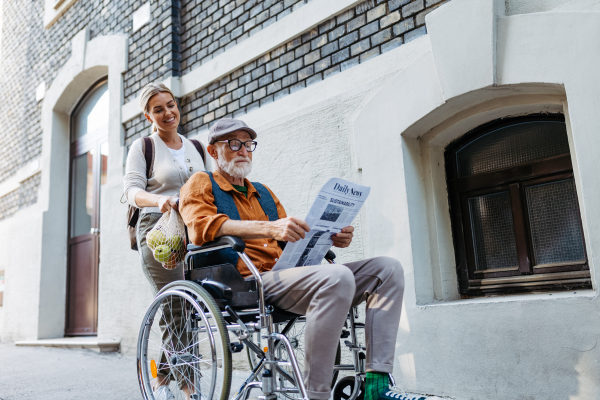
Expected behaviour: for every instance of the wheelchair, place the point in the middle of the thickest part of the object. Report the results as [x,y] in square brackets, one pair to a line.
[184,340]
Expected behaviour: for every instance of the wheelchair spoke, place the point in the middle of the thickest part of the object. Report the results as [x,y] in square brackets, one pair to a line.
[186,347]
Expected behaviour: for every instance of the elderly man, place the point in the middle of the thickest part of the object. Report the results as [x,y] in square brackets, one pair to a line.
[324,293]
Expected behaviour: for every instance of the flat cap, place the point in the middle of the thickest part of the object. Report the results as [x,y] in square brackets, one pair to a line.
[228,125]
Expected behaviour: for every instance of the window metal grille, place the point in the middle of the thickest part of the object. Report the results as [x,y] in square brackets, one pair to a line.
[514,211]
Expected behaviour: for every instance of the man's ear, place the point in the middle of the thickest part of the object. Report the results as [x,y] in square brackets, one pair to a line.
[212,150]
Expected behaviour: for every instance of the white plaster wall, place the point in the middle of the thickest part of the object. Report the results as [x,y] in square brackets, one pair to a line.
[514,7]
[390,117]
[20,249]
[523,346]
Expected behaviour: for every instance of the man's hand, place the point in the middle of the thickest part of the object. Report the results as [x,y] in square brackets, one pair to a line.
[288,229]
[344,238]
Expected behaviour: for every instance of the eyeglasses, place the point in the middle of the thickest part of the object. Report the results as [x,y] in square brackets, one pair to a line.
[236,145]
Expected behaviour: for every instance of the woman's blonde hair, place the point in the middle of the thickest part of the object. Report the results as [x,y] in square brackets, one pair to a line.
[149,91]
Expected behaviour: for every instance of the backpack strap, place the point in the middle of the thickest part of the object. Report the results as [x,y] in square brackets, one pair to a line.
[148,148]
[266,201]
[133,213]
[198,147]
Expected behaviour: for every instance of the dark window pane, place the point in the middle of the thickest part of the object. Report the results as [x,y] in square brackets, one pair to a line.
[493,231]
[555,224]
[513,145]
[92,116]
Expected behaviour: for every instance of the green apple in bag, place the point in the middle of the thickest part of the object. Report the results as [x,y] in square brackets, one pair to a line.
[155,238]
[176,242]
[162,253]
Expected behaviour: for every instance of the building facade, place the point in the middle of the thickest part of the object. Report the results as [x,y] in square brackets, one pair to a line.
[473,122]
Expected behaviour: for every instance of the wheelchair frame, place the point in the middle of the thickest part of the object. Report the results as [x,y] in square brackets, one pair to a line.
[264,373]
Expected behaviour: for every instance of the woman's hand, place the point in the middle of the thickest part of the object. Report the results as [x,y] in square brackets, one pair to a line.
[166,203]
[344,238]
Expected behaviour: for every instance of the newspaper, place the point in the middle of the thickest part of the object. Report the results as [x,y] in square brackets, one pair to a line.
[335,207]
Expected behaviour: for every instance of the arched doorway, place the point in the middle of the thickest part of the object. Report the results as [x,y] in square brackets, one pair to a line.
[88,167]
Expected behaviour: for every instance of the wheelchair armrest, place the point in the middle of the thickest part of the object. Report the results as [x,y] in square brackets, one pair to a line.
[234,242]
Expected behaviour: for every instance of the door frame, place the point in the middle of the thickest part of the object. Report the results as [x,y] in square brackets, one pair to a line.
[89,142]
[89,60]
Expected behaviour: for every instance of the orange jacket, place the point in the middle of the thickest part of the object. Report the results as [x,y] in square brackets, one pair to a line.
[199,213]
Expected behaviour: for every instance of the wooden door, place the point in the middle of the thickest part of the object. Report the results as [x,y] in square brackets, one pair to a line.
[89,156]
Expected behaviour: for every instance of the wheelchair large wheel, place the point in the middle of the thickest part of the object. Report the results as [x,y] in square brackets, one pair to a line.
[183,346]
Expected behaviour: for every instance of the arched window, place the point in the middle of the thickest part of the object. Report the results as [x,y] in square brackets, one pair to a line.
[513,203]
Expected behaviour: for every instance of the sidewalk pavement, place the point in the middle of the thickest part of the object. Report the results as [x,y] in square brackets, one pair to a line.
[33,373]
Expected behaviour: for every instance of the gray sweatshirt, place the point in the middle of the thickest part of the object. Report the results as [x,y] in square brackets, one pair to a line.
[167,175]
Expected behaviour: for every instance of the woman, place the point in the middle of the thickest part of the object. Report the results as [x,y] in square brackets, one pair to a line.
[175,160]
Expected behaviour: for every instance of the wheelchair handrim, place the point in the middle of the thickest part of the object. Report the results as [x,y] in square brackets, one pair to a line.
[145,331]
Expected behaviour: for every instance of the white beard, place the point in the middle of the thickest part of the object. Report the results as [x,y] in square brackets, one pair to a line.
[236,170]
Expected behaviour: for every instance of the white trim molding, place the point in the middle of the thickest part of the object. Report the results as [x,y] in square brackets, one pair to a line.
[89,62]
[53,9]
[298,22]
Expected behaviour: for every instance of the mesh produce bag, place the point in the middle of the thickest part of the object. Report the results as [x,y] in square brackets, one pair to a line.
[167,240]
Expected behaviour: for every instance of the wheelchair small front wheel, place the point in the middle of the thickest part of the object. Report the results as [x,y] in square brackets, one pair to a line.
[345,387]
[183,346]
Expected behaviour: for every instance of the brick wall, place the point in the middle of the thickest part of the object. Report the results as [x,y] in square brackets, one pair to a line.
[32,54]
[20,198]
[350,38]
[181,35]
[212,27]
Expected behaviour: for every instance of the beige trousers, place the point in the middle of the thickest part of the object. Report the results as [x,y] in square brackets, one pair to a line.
[325,293]
[159,277]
